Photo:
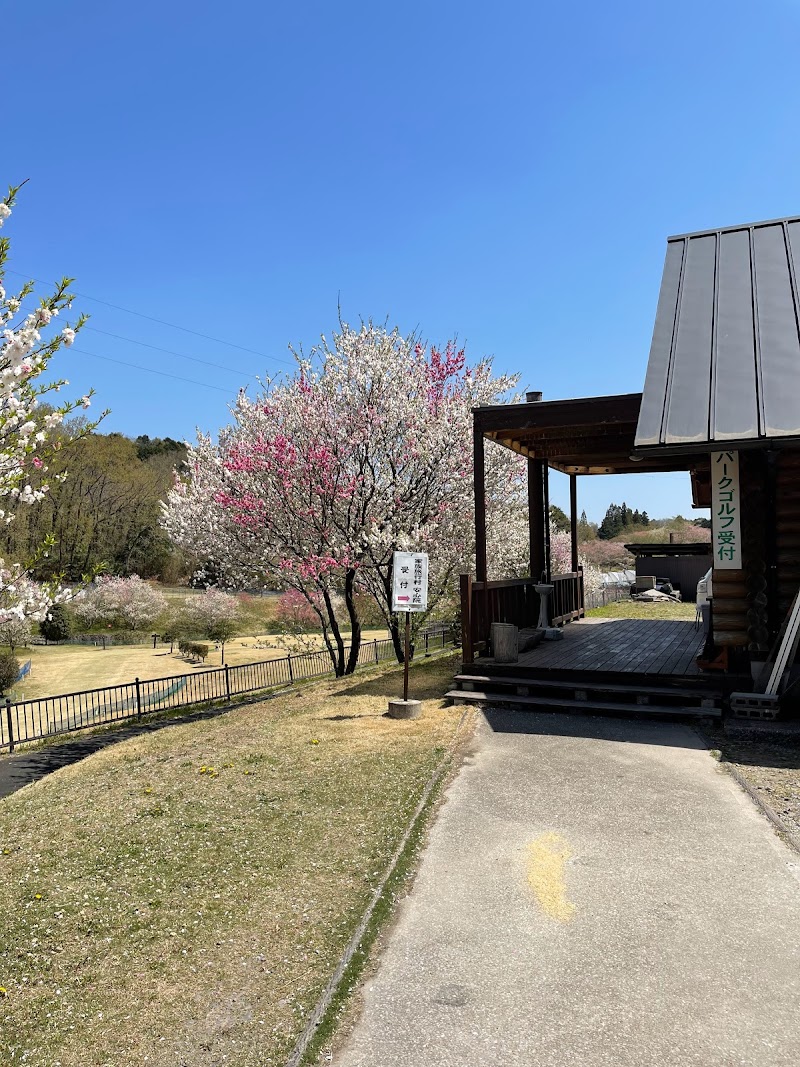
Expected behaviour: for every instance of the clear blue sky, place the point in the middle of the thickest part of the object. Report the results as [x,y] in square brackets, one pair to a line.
[507,172]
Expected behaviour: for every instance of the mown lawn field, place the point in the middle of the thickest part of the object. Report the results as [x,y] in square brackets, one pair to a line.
[183,897]
[71,668]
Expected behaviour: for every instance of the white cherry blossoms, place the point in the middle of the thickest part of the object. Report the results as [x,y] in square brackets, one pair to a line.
[31,429]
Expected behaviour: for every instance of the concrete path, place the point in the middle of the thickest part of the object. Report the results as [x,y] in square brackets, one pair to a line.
[595,892]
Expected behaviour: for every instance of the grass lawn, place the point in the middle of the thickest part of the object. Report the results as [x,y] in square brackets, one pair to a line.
[183,897]
[70,668]
[631,609]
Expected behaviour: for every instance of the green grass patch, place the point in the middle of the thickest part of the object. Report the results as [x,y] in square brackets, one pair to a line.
[632,609]
[184,896]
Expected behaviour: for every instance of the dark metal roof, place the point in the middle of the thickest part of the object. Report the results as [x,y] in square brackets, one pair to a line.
[725,358]
[685,548]
[590,435]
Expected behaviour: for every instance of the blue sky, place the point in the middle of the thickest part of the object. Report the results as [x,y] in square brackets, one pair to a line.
[508,173]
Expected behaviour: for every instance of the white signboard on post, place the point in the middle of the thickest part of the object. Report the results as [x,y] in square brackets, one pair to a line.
[726,529]
[410,581]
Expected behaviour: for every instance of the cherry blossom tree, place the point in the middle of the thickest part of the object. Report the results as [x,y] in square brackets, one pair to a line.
[364,450]
[30,431]
[213,614]
[129,603]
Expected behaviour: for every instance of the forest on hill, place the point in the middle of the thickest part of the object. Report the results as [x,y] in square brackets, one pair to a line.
[105,514]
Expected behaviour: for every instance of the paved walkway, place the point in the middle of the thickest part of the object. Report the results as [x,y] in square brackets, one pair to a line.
[596,893]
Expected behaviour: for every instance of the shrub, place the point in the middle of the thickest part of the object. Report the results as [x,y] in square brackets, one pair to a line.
[193,649]
[9,670]
[58,624]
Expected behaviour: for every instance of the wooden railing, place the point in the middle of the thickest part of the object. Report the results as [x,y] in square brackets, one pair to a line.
[513,600]
[566,600]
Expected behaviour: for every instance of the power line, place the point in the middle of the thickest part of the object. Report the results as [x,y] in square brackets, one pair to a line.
[170,352]
[162,322]
[149,370]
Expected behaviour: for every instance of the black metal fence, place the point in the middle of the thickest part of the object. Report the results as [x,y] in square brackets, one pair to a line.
[32,720]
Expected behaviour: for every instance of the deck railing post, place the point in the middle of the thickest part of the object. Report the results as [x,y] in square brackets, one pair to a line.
[138,700]
[10,725]
[466,618]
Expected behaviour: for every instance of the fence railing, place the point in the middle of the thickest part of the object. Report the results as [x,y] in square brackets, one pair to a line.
[607,594]
[566,600]
[513,600]
[33,720]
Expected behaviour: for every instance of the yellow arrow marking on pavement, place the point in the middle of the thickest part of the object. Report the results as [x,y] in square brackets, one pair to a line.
[546,858]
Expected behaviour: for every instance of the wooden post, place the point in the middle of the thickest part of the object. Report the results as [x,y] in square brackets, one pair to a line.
[546,507]
[408,654]
[467,654]
[227,682]
[536,518]
[479,476]
[573,519]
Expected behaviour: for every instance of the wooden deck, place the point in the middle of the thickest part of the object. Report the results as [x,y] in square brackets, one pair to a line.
[622,646]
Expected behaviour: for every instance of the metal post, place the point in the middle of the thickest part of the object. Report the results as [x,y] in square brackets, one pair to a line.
[375,642]
[408,653]
[227,682]
[10,726]
[138,700]
[291,673]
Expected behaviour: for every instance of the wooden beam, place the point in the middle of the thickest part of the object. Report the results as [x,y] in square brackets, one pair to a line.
[479,476]
[585,411]
[536,517]
[573,519]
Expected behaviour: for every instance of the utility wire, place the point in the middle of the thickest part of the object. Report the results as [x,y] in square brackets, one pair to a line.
[170,352]
[162,322]
[149,370]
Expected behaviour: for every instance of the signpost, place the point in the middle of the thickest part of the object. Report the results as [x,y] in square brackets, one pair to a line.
[409,593]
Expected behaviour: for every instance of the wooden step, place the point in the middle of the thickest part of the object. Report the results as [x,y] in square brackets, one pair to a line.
[460,696]
[592,687]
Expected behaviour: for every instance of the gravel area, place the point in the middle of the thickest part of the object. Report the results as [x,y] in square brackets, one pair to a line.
[771,767]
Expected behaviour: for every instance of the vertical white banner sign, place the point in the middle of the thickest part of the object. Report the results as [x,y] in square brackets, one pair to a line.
[409,581]
[726,531]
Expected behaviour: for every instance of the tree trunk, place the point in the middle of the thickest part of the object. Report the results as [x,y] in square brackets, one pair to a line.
[337,656]
[398,638]
[355,624]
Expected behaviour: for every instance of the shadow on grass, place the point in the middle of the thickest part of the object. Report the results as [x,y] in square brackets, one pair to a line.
[24,768]
[428,680]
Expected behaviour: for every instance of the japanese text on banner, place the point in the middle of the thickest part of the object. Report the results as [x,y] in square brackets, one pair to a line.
[726,532]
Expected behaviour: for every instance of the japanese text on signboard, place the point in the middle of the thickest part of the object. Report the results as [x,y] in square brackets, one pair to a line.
[410,581]
[726,511]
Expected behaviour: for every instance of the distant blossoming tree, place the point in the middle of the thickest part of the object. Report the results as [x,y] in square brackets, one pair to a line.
[29,432]
[129,603]
[213,614]
[364,450]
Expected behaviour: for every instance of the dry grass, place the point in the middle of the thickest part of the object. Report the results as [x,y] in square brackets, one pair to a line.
[181,898]
[71,668]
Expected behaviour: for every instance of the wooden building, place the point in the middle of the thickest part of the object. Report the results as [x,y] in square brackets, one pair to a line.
[721,401]
[682,565]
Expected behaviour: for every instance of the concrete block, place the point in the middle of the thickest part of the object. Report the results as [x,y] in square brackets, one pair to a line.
[405,709]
